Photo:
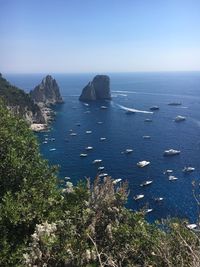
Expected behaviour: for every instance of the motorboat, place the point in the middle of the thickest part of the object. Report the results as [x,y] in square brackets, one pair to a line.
[168,172]
[103,174]
[128,151]
[154,108]
[158,199]
[148,210]
[89,148]
[146,137]
[73,134]
[101,168]
[179,118]
[117,181]
[88,132]
[52,149]
[99,122]
[146,183]
[148,120]
[102,138]
[67,178]
[172,178]
[78,124]
[86,104]
[188,169]
[97,161]
[171,152]
[45,142]
[137,197]
[143,163]
[174,103]
[83,155]
[103,107]
[191,226]
[129,112]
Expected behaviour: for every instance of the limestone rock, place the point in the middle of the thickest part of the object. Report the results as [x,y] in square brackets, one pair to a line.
[98,89]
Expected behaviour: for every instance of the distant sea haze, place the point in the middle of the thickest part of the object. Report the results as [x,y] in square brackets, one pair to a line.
[137,92]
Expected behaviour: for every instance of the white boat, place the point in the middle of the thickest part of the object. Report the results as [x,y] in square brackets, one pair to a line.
[97,161]
[188,169]
[73,134]
[168,172]
[158,199]
[103,107]
[154,108]
[45,142]
[103,174]
[89,148]
[146,183]
[148,120]
[86,104]
[88,111]
[172,178]
[88,132]
[137,197]
[143,163]
[99,122]
[128,151]
[101,168]
[83,155]
[117,181]
[148,210]
[67,178]
[146,137]
[179,118]
[102,138]
[52,149]
[191,226]
[171,152]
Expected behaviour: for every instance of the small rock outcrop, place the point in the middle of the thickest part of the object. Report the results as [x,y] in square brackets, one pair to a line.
[47,92]
[98,89]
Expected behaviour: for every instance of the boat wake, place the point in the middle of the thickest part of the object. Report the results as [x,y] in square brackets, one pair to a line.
[134,110]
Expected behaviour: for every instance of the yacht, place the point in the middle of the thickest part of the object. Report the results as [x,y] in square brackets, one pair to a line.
[137,197]
[191,226]
[171,152]
[102,138]
[117,181]
[89,148]
[128,151]
[143,163]
[83,155]
[88,132]
[188,169]
[101,168]
[179,118]
[97,161]
[154,108]
[172,178]
[146,183]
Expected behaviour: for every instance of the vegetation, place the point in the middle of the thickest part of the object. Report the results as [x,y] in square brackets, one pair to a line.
[83,225]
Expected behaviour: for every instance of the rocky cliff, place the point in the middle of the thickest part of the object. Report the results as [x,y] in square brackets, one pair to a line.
[20,103]
[47,92]
[98,89]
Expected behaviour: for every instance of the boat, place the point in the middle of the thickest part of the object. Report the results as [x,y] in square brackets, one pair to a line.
[52,149]
[103,174]
[128,151]
[158,199]
[191,226]
[52,139]
[167,171]
[154,108]
[129,112]
[83,155]
[137,197]
[179,118]
[103,107]
[174,103]
[73,134]
[148,120]
[146,137]
[87,111]
[148,210]
[45,142]
[117,181]
[99,122]
[143,163]
[172,178]
[188,169]
[101,168]
[102,138]
[89,148]
[78,124]
[171,152]
[67,178]
[88,132]
[86,104]
[146,183]
[97,161]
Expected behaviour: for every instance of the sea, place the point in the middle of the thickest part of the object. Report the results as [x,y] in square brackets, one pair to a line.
[138,91]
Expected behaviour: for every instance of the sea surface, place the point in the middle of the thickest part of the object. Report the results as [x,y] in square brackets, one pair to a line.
[139,91]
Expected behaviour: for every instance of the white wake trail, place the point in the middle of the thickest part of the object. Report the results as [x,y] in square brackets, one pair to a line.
[134,110]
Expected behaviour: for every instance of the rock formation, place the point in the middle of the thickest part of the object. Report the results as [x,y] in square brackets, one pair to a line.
[47,92]
[98,89]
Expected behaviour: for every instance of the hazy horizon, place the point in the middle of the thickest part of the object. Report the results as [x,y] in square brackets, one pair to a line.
[99,36]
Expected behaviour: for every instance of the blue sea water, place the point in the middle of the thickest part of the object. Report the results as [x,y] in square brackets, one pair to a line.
[139,91]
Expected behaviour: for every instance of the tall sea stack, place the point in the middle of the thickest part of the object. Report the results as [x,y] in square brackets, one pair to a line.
[47,92]
[98,89]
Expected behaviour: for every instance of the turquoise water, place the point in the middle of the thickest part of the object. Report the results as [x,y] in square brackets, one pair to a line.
[139,91]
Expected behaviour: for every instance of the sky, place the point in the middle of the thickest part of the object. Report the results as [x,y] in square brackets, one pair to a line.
[75,36]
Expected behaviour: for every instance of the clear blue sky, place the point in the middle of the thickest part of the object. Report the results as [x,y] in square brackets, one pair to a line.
[99,35]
